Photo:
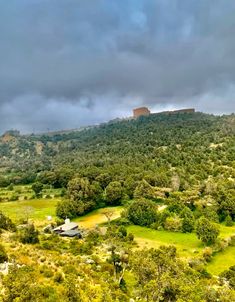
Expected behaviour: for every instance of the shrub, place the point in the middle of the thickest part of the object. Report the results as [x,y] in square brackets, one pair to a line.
[29,234]
[232,240]
[142,212]
[122,231]
[230,276]
[58,278]
[228,221]
[11,187]
[37,188]
[3,254]
[187,225]
[207,254]
[206,230]
[173,224]
[130,237]
[6,223]
[14,197]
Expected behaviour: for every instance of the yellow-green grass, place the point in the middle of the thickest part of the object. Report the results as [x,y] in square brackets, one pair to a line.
[187,245]
[222,261]
[97,217]
[226,232]
[35,209]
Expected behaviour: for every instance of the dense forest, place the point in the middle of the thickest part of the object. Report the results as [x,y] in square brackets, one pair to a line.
[184,163]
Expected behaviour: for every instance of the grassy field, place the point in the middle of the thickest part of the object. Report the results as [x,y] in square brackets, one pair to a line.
[226,232]
[187,244]
[222,261]
[97,217]
[36,209]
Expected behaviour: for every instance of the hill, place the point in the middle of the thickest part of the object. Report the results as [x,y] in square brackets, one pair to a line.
[166,145]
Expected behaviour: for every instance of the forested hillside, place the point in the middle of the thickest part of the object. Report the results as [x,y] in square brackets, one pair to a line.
[184,143]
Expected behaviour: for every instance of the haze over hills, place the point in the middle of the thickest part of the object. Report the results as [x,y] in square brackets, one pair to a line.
[137,112]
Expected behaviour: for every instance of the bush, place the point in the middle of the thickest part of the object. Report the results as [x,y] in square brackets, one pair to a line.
[58,278]
[11,187]
[6,223]
[3,254]
[130,237]
[206,230]
[207,254]
[173,224]
[37,188]
[232,240]
[228,221]
[188,220]
[142,212]
[29,234]
[122,231]
[187,225]
[14,197]
[230,276]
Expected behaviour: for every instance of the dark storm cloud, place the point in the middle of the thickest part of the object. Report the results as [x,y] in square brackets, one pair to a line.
[69,63]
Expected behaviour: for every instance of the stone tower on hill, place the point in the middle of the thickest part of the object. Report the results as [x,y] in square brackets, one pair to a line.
[141,111]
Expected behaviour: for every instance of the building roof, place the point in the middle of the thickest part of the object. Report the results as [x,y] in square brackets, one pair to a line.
[70,233]
[66,227]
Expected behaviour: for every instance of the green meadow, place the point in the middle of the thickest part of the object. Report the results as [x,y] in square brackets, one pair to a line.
[187,244]
[222,261]
[35,209]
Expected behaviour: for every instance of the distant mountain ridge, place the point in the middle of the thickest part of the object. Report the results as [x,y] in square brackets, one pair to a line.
[140,135]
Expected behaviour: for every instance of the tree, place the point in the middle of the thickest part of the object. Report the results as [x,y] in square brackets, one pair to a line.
[188,220]
[114,193]
[37,188]
[144,190]
[163,277]
[79,188]
[142,212]
[119,260]
[108,214]
[80,198]
[104,179]
[187,225]
[228,221]
[206,230]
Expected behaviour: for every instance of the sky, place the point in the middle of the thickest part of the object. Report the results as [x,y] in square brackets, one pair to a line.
[71,63]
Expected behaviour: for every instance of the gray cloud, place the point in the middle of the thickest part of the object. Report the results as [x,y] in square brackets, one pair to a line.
[69,63]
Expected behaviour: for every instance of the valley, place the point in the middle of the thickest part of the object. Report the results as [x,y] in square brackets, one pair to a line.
[156,191]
